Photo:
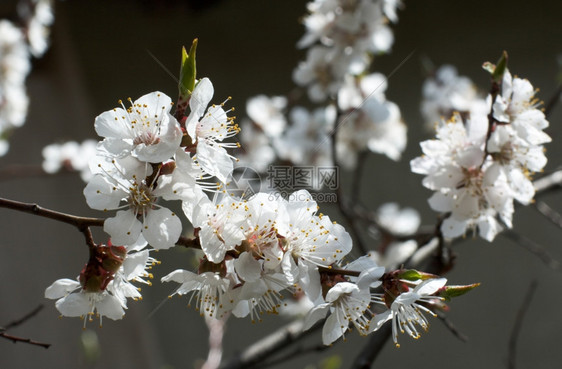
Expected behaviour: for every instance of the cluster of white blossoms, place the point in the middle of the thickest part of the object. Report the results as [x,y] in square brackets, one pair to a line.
[104,284]
[368,121]
[479,164]
[257,251]
[146,156]
[261,250]
[445,93]
[342,36]
[301,139]
[17,43]
[70,155]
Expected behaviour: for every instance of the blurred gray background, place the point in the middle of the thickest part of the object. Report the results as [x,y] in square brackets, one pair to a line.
[100,53]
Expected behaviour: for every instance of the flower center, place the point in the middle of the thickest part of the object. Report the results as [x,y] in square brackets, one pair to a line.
[148,138]
[140,198]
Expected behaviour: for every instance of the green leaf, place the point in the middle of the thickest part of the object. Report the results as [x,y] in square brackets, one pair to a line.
[497,70]
[188,71]
[414,275]
[455,291]
[497,76]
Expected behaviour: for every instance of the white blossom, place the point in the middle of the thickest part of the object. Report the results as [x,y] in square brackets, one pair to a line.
[517,105]
[70,155]
[348,303]
[370,121]
[208,127]
[108,293]
[146,130]
[210,290]
[446,93]
[125,180]
[406,311]
[267,113]
[256,150]
[306,141]
[14,68]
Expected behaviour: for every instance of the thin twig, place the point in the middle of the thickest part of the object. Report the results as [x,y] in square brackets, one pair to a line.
[264,348]
[357,176]
[15,339]
[533,247]
[547,183]
[549,213]
[82,223]
[299,350]
[79,222]
[23,319]
[20,321]
[512,346]
[344,206]
[372,348]
[451,327]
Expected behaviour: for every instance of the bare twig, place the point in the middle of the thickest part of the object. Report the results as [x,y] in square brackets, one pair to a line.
[548,183]
[344,206]
[533,247]
[82,223]
[79,222]
[23,319]
[372,348]
[270,344]
[20,321]
[299,350]
[357,176]
[451,327]
[549,213]
[512,346]
[15,339]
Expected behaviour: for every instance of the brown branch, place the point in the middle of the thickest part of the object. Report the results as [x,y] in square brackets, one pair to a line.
[332,270]
[17,322]
[512,346]
[193,243]
[23,319]
[82,223]
[79,222]
[344,206]
[15,339]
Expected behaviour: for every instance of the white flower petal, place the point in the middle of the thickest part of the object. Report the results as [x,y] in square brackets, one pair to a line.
[161,228]
[124,228]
